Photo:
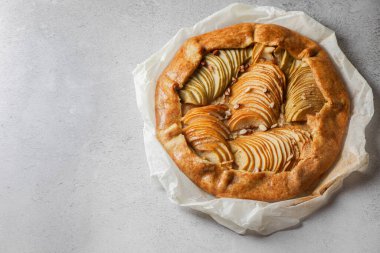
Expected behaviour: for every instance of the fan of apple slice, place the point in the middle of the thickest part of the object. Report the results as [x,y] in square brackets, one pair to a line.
[214,75]
[276,150]
[256,97]
[206,133]
[303,94]
[283,59]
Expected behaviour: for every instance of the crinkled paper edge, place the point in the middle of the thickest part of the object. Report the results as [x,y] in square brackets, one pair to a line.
[237,214]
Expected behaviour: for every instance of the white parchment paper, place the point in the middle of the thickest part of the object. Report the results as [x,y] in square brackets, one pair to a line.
[242,215]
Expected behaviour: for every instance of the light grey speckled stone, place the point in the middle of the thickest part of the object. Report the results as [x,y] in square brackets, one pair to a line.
[73,176]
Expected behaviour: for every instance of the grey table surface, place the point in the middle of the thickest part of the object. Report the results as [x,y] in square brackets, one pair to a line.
[73,175]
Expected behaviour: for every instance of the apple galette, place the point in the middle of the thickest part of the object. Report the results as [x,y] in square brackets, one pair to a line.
[253,111]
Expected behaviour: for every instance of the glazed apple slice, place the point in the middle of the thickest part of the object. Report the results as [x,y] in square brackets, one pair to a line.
[241,156]
[256,85]
[206,133]
[266,73]
[217,111]
[256,97]
[243,119]
[204,130]
[207,120]
[278,151]
[275,150]
[212,126]
[220,70]
[224,152]
[187,95]
[274,154]
[301,138]
[208,151]
[303,95]
[252,161]
[257,52]
[288,150]
[211,79]
[231,58]
[298,139]
[198,137]
[194,94]
[266,113]
[261,154]
[283,59]
[202,139]
[206,79]
[284,149]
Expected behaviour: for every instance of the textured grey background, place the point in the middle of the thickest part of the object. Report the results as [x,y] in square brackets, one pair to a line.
[73,175]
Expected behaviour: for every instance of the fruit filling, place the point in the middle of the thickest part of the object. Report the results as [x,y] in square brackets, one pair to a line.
[276,150]
[207,134]
[256,97]
[216,72]
[242,108]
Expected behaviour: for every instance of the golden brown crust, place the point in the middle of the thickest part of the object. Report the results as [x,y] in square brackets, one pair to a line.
[329,126]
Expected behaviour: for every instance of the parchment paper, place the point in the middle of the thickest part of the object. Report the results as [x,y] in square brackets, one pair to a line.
[242,215]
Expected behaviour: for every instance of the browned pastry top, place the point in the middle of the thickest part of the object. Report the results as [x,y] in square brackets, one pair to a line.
[252,111]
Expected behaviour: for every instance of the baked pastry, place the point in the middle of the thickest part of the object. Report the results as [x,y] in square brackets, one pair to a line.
[252,111]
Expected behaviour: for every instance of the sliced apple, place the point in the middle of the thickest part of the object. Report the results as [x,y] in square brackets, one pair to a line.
[275,150]
[205,131]
[224,151]
[257,51]
[256,97]
[193,95]
[243,119]
[210,80]
[244,158]
[303,94]
[283,59]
